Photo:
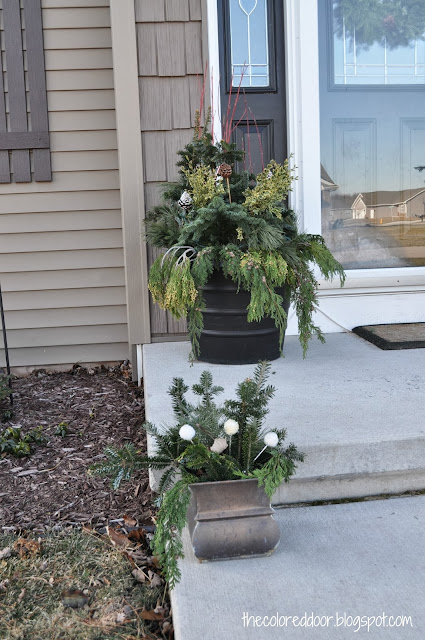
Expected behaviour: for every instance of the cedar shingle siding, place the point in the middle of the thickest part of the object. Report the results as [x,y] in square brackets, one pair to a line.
[170,77]
[61,255]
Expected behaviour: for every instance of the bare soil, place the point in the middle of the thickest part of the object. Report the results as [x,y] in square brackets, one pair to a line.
[51,487]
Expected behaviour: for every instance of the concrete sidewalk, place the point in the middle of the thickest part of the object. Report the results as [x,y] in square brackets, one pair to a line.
[357,411]
[343,561]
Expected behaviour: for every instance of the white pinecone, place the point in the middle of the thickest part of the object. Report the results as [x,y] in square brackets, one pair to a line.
[185,201]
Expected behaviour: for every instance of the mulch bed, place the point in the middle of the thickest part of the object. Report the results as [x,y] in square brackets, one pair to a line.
[51,487]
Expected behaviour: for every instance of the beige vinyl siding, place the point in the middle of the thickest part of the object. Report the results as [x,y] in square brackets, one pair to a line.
[81,100]
[171,71]
[57,60]
[61,247]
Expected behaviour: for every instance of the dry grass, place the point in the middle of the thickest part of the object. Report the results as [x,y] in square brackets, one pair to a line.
[32,589]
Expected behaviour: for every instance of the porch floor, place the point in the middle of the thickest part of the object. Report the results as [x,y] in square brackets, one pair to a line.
[358,413]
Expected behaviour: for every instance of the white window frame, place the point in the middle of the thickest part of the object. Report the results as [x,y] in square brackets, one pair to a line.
[370,296]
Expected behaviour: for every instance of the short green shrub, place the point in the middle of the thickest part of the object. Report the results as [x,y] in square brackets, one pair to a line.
[12,441]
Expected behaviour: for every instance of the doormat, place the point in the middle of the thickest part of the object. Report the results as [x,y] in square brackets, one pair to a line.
[394,336]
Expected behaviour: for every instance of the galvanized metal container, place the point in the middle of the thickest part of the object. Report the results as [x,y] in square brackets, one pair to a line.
[231,519]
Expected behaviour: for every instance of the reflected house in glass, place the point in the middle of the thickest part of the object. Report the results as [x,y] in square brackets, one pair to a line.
[382,207]
[359,208]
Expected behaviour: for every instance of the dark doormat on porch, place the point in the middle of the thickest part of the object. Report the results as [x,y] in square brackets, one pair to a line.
[394,336]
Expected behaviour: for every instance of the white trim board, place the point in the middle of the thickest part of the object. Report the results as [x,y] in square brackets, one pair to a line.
[124,48]
[214,65]
[303,116]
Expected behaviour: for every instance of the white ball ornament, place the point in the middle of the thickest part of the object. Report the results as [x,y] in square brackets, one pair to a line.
[187,432]
[271,439]
[231,427]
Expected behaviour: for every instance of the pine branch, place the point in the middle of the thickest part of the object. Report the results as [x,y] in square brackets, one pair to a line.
[206,389]
[179,403]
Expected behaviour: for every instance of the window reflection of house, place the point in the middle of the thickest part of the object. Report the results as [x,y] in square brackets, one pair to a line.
[390,208]
[378,207]
[359,208]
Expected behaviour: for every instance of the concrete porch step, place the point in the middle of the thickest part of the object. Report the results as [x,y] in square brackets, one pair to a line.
[356,411]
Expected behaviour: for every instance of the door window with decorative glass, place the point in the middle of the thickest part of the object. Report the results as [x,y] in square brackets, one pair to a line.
[372,97]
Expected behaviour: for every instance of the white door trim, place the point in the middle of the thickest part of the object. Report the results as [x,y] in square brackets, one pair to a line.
[213,58]
[302,91]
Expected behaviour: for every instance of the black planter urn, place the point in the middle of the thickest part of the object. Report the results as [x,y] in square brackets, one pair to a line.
[227,336]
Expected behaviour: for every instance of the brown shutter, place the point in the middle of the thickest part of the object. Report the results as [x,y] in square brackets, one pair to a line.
[17,138]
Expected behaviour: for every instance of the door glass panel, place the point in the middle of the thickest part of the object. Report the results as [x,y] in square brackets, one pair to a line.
[249,43]
[372,91]
[382,40]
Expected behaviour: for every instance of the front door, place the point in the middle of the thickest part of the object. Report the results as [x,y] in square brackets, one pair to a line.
[372,104]
[252,64]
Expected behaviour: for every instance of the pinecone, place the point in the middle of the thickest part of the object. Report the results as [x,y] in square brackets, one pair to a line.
[185,201]
[225,170]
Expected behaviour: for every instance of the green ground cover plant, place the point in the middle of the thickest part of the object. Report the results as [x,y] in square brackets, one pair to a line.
[13,442]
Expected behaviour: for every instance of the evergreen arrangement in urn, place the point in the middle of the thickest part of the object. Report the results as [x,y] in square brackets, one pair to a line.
[207,443]
[219,218]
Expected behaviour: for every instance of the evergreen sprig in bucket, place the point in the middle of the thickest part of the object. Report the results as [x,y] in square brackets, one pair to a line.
[207,443]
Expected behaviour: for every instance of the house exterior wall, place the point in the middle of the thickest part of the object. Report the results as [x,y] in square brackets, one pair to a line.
[61,247]
[171,66]
[72,291]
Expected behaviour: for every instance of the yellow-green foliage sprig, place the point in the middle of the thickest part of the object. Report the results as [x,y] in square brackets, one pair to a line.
[172,285]
[273,185]
[272,265]
[203,186]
